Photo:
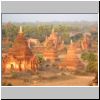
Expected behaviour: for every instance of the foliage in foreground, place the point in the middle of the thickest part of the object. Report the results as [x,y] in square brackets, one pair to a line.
[92,60]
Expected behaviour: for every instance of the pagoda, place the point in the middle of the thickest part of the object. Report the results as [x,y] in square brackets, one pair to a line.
[85,43]
[51,45]
[71,60]
[50,54]
[19,57]
[53,41]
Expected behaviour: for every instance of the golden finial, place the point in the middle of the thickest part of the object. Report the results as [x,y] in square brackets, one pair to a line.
[71,41]
[53,30]
[20,30]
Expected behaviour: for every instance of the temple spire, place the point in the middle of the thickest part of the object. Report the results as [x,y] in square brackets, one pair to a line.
[71,41]
[53,30]
[20,30]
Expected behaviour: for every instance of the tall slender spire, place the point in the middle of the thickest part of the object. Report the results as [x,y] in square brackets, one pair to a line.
[20,30]
[71,41]
[53,30]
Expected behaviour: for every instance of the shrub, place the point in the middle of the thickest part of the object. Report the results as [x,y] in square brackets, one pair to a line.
[9,84]
[14,75]
[89,56]
[40,58]
[92,67]
[6,84]
[92,60]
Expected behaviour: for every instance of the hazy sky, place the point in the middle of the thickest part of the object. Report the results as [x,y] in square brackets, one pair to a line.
[48,17]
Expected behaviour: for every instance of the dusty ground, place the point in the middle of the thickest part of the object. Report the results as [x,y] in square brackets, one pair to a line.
[50,80]
[78,81]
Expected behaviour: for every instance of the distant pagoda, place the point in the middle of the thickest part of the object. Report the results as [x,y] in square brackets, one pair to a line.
[51,44]
[71,60]
[50,54]
[53,41]
[86,42]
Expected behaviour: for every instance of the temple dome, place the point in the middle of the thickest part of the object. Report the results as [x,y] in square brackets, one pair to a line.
[20,47]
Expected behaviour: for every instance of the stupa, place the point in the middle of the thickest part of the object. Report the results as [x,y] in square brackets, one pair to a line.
[51,45]
[71,60]
[20,57]
[85,43]
[50,54]
[53,41]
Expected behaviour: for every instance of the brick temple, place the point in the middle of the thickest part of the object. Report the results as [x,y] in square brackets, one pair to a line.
[71,60]
[19,57]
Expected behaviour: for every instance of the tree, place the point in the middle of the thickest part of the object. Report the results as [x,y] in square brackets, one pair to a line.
[40,58]
[92,60]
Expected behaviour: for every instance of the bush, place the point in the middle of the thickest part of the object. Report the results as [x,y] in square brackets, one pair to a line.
[89,56]
[6,84]
[92,60]
[92,67]
[40,58]
[14,75]
[9,84]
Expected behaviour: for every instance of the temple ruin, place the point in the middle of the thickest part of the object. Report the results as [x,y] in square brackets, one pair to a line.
[19,56]
[71,60]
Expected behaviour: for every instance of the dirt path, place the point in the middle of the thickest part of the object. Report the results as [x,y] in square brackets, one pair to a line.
[75,81]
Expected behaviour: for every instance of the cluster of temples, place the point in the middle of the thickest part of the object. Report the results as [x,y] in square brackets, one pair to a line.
[21,58]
